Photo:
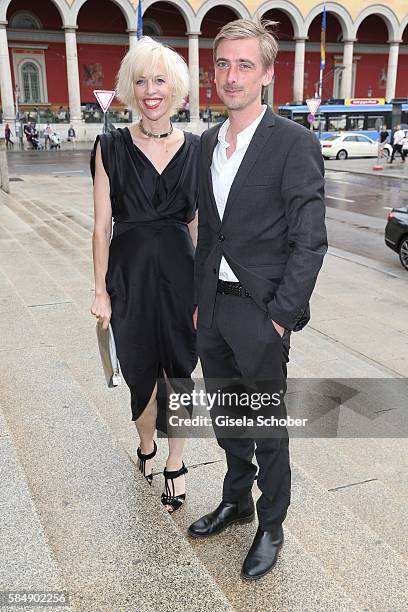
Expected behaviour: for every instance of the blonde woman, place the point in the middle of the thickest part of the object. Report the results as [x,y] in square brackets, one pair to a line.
[146,181]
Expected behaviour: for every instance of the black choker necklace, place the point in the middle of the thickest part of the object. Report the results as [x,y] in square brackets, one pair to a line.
[152,134]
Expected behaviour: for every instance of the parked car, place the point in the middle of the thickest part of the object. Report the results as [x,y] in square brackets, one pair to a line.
[396,233]
[388,147]
[348,144]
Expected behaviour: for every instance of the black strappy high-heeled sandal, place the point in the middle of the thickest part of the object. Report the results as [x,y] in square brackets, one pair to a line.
[141,464]
[169,498]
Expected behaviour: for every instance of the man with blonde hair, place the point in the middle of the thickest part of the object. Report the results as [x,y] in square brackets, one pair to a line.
[261,243]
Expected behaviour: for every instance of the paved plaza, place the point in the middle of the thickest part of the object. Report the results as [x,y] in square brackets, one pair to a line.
[76,514]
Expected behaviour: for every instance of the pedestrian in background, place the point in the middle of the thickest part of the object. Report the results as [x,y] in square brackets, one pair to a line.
[383,139]
[399,137]
[7,136]
[71,136]
[28,131]
[146,179]
[187,110]
[47,135]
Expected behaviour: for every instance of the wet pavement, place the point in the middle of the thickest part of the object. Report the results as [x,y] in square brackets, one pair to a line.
[368,195]
[50,163]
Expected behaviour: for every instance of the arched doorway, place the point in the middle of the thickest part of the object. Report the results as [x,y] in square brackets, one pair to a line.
[281,88]
[211,24]
[164,20]
[102,41]
[38,68]
[331,83]
[402,75]
[371,50]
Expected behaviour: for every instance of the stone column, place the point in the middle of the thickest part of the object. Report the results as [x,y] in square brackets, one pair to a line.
[132,38]
[392,69]
[6,85]
[299,72]
[74,95]
[347,77]
[194,67]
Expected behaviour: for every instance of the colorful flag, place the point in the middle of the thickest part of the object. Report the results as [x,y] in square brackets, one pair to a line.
[139,21]
[323,40]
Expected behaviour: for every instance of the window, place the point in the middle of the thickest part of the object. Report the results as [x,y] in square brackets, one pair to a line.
[337,81]
[24,20]
[363,139]
[336,122]
[351,139]
[31,82]
[151,28]
[284,112]
[322,120]
[374,122]
[355,123]
[300,118]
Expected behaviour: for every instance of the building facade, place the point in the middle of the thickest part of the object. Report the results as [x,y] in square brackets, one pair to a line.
[54,53]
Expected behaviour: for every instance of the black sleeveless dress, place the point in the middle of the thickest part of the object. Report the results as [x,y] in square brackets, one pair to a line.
[151,266]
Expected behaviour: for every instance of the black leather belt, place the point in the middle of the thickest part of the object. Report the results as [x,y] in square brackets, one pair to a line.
[230,288]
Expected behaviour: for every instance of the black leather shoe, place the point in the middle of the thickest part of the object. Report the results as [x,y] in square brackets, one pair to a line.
[263,553]
[215,522]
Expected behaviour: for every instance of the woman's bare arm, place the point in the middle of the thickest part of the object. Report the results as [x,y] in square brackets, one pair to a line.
[101,306]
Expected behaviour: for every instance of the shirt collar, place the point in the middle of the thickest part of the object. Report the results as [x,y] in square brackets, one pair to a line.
[245,136]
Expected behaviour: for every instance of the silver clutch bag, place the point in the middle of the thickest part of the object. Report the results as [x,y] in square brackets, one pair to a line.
[107,350]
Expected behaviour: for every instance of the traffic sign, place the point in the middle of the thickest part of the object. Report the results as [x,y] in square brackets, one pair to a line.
[313,104]
[104,98]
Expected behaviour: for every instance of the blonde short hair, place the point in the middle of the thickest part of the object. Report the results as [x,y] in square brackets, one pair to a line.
[246,28]
[142,60]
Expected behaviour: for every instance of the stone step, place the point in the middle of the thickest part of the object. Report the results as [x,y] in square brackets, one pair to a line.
[33,567]
[373,331]
[329,536]
[387,457]
[105,528]
[360,559]
[77,220]
[47,249]
[299,581]
[66,241]
[354,482]
[76,205]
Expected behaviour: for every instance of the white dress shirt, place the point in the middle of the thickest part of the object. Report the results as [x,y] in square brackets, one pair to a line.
[223,172]
[399,137]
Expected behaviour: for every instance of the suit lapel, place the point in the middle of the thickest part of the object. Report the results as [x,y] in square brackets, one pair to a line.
[262,134]
[212,143]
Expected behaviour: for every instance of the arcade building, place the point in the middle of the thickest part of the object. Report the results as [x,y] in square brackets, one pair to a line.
[54,53]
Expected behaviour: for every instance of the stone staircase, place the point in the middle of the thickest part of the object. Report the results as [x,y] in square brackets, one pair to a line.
[77,516]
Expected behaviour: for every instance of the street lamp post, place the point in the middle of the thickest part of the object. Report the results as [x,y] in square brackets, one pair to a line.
[209,94]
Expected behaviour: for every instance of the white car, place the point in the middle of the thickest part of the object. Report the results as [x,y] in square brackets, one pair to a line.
[348,144]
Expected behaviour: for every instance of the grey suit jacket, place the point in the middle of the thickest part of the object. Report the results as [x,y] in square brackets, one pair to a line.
[273,231]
